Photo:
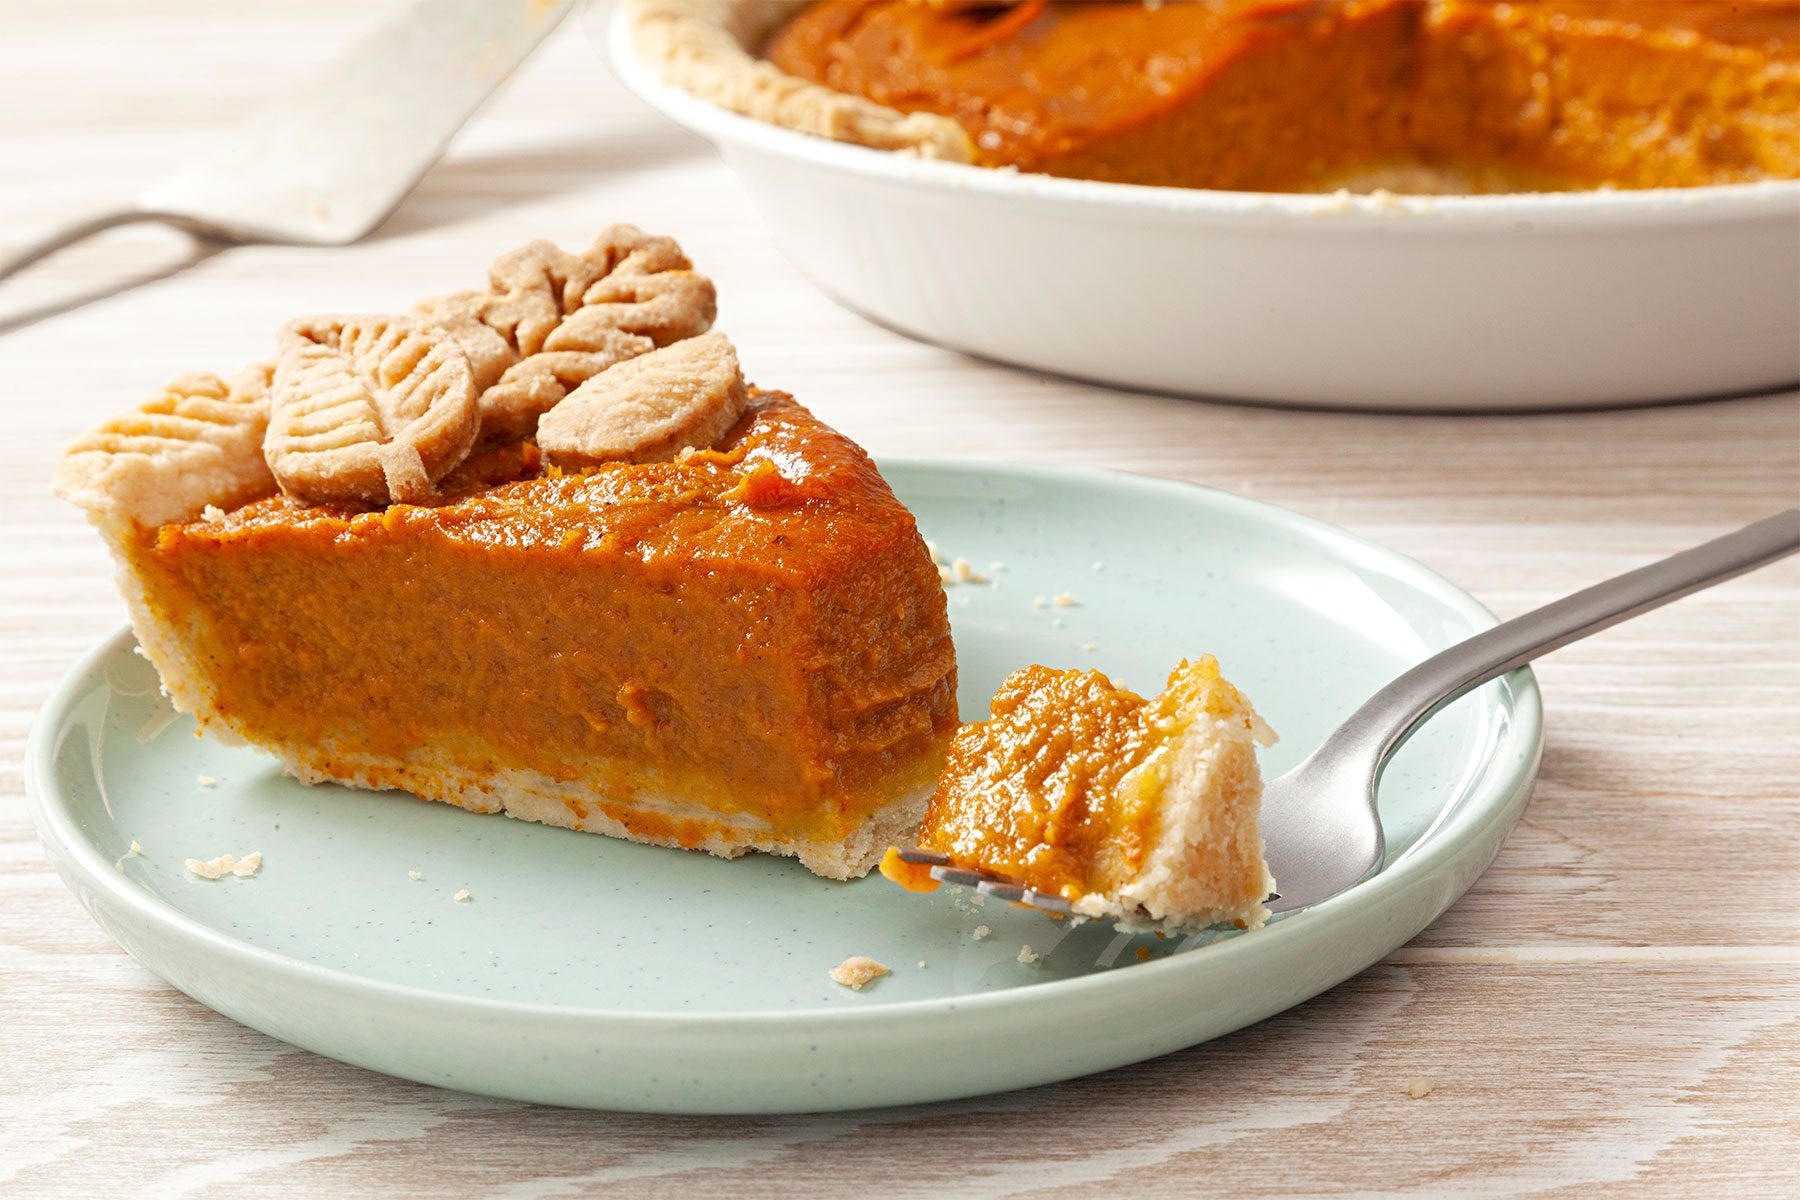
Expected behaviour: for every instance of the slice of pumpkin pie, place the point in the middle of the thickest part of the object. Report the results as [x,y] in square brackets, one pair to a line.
[539,549]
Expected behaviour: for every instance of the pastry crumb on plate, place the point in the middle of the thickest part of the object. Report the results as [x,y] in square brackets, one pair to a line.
[856,971]
[224,864]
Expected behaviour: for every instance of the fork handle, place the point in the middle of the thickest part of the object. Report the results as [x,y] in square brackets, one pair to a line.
[79,230]
[1391,716]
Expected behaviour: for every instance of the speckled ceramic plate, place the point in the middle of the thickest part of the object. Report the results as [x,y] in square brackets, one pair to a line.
[588,971]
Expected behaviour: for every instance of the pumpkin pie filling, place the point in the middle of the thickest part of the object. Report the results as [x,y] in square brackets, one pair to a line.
[740,643]
[1298,95]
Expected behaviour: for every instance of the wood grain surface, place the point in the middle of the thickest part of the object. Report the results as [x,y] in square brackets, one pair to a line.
[1614,1007]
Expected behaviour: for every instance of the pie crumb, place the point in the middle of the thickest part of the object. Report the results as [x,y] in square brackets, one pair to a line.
[971,903]
[1090,647]
[1027,955]
[414,876]
[1419,1087]
[462,897]
[965,572]
[225,864]
[981,931]
[1039,602]
[1063,599]
[921,964]
[206,781]
[211,868]
[856,971]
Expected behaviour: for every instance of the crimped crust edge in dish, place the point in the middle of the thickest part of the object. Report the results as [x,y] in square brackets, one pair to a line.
[704,47]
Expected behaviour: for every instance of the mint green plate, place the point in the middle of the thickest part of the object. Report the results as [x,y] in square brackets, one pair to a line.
[587,971]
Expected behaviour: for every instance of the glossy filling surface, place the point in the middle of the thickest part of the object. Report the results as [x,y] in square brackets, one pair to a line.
[1299,95]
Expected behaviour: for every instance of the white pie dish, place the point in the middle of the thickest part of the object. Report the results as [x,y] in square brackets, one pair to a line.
[1467,302]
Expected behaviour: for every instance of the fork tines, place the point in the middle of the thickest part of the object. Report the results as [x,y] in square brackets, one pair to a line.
[988,883]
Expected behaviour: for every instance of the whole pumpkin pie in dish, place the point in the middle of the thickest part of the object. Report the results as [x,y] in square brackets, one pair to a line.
[1270,95]
[1142,811]
[538,549]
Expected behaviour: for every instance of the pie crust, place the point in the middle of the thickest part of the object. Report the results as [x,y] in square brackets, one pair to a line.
[698,46]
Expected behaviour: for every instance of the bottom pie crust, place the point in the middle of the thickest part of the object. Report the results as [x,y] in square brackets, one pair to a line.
[649,818]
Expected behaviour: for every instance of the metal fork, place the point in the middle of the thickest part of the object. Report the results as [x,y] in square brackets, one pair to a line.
[326,163]
[1320,820]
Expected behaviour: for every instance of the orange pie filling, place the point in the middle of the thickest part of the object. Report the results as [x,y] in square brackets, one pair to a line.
[1299,95]
[1141,810]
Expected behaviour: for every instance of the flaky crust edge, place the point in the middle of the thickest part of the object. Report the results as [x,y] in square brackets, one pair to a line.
[1210,840]
[702,47]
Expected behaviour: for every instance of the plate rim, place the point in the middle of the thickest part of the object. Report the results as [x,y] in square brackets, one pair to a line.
[1498,784]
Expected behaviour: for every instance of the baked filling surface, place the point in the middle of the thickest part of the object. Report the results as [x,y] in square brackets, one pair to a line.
[1302,95]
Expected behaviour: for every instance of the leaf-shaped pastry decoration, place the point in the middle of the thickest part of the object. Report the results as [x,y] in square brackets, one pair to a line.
[371,408]
[550,320]
[197,443]
[684,396]
[489,353]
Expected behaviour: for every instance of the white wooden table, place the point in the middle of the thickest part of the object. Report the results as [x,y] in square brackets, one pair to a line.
[1616,1003]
